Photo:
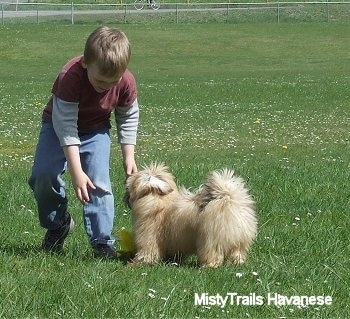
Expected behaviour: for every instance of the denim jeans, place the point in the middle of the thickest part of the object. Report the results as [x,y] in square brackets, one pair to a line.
[50,191]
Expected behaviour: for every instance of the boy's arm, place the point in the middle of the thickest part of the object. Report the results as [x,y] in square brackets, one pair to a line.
[64,119]
[127,119]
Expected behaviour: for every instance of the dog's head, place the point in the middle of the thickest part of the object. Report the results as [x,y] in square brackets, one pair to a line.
[151,180]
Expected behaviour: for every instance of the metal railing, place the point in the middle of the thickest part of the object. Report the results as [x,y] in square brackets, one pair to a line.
[176,12]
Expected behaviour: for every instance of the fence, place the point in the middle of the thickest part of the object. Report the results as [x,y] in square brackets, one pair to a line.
[176,12]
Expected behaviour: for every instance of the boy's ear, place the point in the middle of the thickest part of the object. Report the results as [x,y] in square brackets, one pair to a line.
[83,64]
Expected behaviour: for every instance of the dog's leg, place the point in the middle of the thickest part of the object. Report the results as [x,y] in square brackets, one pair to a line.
[237,255]
[148,248]
[210,257]
[145,257]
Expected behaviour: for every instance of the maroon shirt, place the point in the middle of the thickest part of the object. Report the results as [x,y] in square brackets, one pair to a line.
[72,85]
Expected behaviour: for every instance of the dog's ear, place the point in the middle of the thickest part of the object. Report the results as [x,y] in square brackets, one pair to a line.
[159,186]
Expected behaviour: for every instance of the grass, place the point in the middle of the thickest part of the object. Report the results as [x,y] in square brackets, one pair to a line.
[270,101]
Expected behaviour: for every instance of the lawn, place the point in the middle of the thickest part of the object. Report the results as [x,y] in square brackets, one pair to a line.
[270,101]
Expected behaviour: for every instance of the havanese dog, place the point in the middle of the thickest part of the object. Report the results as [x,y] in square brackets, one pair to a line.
[217,222]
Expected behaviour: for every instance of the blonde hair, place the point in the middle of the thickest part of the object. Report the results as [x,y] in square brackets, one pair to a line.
[109,49]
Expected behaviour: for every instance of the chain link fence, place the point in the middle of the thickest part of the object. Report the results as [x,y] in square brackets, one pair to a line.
[274,12]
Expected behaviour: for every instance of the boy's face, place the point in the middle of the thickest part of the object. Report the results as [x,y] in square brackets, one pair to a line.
[100,82]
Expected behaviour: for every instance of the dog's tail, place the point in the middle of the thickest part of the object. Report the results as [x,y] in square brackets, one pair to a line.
[226,206]
[224,186]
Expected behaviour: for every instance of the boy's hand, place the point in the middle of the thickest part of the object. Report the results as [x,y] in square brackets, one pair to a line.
[129,163]
[81,184]
[130,167]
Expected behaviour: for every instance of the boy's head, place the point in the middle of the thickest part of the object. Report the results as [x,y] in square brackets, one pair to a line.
[107,52]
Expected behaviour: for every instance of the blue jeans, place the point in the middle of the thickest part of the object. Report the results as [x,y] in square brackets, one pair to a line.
[50,191]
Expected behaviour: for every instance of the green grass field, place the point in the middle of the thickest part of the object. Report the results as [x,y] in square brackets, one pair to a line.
[270,101]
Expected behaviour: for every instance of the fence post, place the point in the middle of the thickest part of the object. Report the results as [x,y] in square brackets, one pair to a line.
[37,16]
[124,13]
[278,12]
[327,11]
[227,11]
[72,12]
[177,13]
[2,14]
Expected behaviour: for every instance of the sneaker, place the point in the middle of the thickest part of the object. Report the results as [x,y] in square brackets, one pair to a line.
[54,239]
[104,251]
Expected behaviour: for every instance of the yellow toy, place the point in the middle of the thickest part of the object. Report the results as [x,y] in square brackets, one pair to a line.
[127,243]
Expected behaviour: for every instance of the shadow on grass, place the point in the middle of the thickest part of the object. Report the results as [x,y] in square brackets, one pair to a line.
[25,250]
[127,259]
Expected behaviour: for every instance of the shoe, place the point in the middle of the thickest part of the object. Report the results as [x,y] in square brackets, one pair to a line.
[54,239]
[104,251]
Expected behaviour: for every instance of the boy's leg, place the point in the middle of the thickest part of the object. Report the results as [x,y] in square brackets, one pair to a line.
[46,181]
[99,211]
[49,189]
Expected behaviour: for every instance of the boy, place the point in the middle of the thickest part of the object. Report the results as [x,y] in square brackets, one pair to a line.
[75,132]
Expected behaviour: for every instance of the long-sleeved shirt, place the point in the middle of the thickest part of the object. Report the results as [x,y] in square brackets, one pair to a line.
[75,107]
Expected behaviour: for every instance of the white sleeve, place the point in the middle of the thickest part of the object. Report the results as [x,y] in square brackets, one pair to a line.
[127,119]
[64,120]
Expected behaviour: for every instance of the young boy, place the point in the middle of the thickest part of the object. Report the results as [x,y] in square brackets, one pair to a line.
[75,131]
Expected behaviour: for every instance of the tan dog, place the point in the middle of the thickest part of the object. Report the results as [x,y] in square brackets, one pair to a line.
[217,222]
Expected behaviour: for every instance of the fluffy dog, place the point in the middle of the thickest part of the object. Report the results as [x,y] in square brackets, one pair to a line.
[217,222]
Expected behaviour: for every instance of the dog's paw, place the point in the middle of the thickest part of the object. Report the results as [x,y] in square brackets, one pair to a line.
[211,265]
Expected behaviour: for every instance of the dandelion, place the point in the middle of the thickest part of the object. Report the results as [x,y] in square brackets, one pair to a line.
[239,274]
[285,146]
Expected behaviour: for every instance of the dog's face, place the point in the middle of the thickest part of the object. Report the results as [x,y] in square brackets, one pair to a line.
[151,180]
